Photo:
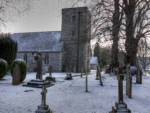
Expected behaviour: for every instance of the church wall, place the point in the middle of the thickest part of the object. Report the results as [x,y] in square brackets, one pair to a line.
[55,60]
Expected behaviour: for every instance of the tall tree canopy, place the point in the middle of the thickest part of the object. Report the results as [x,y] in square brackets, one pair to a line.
[123,22]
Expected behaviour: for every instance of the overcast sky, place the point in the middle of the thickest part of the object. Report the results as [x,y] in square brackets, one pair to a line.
[44,15]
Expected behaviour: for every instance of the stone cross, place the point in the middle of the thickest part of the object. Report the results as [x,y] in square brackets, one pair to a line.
[120,88]
[120,107]
[43,108]
[120,85]
[39,68]
[16,75]
[128,82]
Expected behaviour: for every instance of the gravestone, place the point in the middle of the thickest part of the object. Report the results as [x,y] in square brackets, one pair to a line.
[43,108]
[50,68]
[16,75]
[50,78]
[120,106]
[68,74]
[128,82]
[38,82]
[139,76]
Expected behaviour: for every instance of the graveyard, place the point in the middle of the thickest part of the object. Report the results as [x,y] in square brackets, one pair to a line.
[69,96]
[51,71]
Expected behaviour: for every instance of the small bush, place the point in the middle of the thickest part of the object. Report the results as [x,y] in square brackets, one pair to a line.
[3,68]
[22,66]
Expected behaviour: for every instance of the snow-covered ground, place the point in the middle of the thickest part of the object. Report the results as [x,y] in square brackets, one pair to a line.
[70,96]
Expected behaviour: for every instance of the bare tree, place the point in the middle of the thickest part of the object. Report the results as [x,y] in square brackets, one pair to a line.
[11,8]
[127,20]
[143,52]
[137,25]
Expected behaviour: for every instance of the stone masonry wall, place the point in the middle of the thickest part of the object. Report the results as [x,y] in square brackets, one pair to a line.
[55,60]
[76,37]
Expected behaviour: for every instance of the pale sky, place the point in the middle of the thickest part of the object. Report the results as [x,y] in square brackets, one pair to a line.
[44,15]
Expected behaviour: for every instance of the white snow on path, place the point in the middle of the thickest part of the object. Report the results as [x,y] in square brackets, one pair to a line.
[70,96]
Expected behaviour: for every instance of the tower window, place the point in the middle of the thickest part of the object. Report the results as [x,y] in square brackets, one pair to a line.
[73,18]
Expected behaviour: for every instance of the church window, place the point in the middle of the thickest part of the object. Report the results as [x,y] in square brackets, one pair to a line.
[25,57]
[73,18]
[47,59]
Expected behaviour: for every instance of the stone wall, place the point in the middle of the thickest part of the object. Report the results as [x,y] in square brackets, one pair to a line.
[55,60]
[76,31]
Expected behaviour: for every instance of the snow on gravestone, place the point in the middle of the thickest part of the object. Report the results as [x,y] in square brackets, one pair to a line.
[16,75]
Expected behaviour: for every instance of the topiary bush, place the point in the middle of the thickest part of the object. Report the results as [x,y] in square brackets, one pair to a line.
[22,66]
[8,48]
[3,68]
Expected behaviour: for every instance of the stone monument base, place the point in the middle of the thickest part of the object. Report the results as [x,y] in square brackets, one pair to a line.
[120,108]
[43,109]
[38,83]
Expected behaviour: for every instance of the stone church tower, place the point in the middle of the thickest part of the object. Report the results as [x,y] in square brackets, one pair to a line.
[76,32]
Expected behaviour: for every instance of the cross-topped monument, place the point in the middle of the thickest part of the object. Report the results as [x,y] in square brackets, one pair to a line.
[43,108]
[120,106]
[38,82]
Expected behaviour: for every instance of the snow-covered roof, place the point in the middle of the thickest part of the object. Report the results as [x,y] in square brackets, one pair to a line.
[48,41]
[93,60]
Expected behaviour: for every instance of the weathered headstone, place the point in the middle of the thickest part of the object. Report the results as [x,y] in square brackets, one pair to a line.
[43,108]
[128,82]
[120,106]
[50,78]
[16,75]
[68,74]
[139,76]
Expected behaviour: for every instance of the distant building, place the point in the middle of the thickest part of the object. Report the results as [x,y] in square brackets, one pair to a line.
[60,49]
[93,63]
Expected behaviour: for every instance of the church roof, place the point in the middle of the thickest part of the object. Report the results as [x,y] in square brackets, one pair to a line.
[48,41]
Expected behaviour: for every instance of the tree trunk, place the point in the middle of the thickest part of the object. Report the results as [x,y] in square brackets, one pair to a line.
[115,32]
[131,43]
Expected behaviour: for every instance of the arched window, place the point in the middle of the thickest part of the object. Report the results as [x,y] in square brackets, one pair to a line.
[47,58]
[25,58]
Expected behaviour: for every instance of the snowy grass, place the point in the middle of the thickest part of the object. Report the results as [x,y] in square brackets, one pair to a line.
[70,96]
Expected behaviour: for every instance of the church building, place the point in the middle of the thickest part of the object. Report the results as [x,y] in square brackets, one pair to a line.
[68,48]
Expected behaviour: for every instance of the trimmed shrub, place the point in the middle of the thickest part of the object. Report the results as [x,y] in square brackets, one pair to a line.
[22,66]
[3,68]
[8,48]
